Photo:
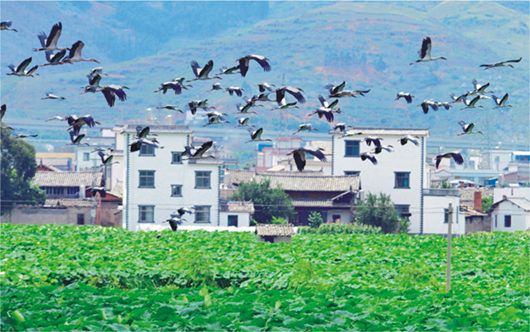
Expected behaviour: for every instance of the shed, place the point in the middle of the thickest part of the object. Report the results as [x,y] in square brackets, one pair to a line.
[274,233]
[510,214]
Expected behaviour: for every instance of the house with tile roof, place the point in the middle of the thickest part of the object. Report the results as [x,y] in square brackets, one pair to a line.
[510,214]
[66,184]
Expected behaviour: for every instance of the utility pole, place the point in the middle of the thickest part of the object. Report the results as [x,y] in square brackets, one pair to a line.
[449,237]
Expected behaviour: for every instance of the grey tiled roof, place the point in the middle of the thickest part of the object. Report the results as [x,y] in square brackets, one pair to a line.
[274,230]
[67,179]
[521,202]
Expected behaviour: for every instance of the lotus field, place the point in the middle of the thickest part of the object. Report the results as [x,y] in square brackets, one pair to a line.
[92,278]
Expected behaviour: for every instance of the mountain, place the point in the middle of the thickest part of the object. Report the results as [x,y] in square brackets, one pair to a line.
[309,44]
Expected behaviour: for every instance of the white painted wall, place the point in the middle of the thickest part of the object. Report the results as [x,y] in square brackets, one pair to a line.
[243,219]
[522,192]
[520,218]
[381,177]
[434,215]
[346,217]
[166,174]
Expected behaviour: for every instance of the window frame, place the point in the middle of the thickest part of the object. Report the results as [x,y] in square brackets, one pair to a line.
[197,212]
[209,180]
[144,154]
[140,178]
[86,156]
[232,216]
[353,155]
[402,209]
[397,184]
[171,190]
[176,153]
[140,221]
[352,173]
[507,221]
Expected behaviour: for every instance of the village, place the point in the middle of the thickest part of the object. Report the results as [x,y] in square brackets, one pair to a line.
[143,189]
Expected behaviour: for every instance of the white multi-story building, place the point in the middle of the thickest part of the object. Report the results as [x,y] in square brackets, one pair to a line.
[401,174]
[157,181]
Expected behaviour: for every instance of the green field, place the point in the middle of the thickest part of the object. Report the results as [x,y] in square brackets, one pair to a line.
[91,278]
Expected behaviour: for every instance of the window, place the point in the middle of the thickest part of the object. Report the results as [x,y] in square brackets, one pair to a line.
[202,214]
[147,150]
[146,213]
[495,221]
[403,210]
[202,179]
[80,219]
[176,190]
[352,173]
[351,148]
[176,157]
[86,156]
[147,179]
[507,221]
[232,220]
[72,192]
[446,216]
[402,180]
[336,218]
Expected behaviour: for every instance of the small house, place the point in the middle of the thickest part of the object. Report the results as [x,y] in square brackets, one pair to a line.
[274,233]
[510,214]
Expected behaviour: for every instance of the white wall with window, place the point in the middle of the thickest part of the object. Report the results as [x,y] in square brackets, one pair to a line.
[510,216]
[400,174]
[436,214]
[157,181]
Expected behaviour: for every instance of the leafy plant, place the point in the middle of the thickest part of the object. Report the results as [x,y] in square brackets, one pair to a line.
[315,219]
[487,202]
[278,221]
[379,212]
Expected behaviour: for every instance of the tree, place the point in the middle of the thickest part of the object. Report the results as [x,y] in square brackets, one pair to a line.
[380,212]
[268,202]
[487,202]
[315,219]
[17,172]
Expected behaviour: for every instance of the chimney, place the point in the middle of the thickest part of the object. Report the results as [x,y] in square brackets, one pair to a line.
[477,201]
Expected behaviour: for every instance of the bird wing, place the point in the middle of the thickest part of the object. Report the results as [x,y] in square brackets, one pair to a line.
[176,87]
[323,101]
[299,159]
[118,91]
[32,70]
[474,101]
[514,61]
[438,160]
[2,111]
[317,153]
[22,66]
[425,107]
[75,50]
[195,68]
[329,116]
[42,39]
[202,149]
[457,157]
[94,80]
[109,96]
[136,145]
[206,69]
[54,35]
[295,92]
[261,60]
[408,98]
[425,48]
[504,99]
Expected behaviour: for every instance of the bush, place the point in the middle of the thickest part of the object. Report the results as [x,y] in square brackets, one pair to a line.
[340,228]
[278,221]
[315,219]
[378,211]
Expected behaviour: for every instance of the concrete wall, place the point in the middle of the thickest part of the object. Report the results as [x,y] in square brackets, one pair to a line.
[243,218]
[434,215]
[478,224]
[498,193]
[50,215]
[381,177]
[520,218]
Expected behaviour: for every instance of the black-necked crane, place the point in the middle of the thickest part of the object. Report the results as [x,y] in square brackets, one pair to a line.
[69,118]
[467,128]
[6,25]
[21,135]
[183,210]
[175,86]
[305,127]
[262,97]
[327,113]
[405,95]
[447,105]
[143,132]
[507,63]
[136,145]
[409,138]
[3,110]
[283,105]
[49,42]
[112,91]
[333,89]
[229,71]
[194,105]
[96,71]
[20,70]
[216,87]
[93,84]
[425,52]
[243,122]
[244,63]
[75,54]
[174,222]
[372,139]
[299,156]
[341,127]
[479,88]
[245,109]
[325,103]
[170,107]
[265,87]
[457,157]
[215,118]
[471,103]
[52,96]
[76,124]
[202,73]
[295,92]
[105,160]
[255,136]
[349,93]
[235,90]
[200,151]
[429,103]
[53,59]
[500,102]
[369,156]
[379,149]
[458,99]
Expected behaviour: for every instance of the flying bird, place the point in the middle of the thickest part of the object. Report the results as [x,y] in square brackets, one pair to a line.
[407,96]
[425,52]
[295,92]
[372,139]
[75,54]
[229,71]
[457,157]
[408,138]
[49,42]
[325,103]
[349,93]
[467,128]
[334,89]
[20,70]
[6,25]
[176,85]
[194,105]
[202,73]
[78,122]
[200,151]
[112,91]
[305,127]
[429,103]
[52,96]
[471,103]
[299,156]
[20,135]
[93,84]
[243,122]
[256,136]
[171,108]
[326,113]
[244,63]
[507,63]
[235,90]
[76,139]
[136,145]
[265,87]
[445,104]
[3,110]
[369,156]
[53,59]
[500,102]
[174,222]
[479,88]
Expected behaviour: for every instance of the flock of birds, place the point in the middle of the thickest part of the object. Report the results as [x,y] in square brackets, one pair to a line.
[270,96]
